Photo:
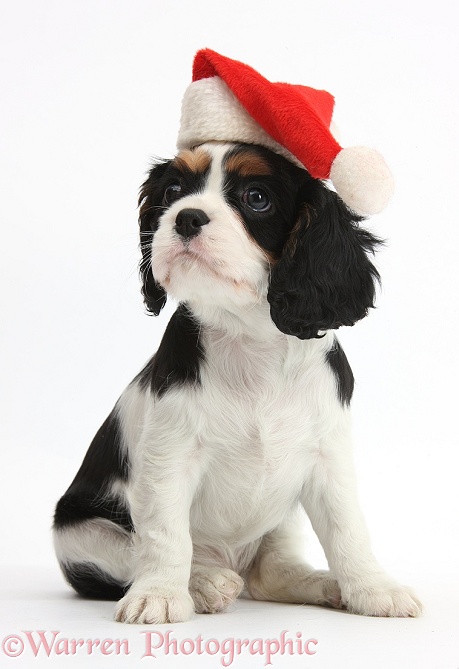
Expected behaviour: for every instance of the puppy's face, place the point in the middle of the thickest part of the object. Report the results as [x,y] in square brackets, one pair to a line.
[228,225]
[223,214]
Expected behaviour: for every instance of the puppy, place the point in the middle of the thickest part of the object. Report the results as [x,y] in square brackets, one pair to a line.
[198,482]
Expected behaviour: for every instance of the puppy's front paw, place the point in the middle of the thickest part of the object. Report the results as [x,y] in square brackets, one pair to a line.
[156,607]
[214,588]
[383,599]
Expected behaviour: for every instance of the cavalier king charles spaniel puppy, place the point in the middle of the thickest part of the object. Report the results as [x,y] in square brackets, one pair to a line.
[197,485]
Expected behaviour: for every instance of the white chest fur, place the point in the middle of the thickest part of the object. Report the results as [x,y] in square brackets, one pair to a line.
[262,421]
[248,434]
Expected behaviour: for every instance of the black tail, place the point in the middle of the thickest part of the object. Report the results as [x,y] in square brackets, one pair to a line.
[91,582]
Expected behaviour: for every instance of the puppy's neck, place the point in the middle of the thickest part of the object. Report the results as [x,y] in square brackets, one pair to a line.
[253,322]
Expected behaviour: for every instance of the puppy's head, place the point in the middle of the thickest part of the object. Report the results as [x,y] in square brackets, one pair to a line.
[231,224]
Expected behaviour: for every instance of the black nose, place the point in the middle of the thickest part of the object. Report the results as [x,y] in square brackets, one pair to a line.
[190,221]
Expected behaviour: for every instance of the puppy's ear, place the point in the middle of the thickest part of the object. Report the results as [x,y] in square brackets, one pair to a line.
[324,278]
[151,208]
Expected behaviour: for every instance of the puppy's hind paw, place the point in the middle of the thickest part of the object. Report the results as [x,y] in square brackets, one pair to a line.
[214,588]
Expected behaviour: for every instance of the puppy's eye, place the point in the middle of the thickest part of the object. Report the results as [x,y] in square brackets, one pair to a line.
[172,193]
[256,199]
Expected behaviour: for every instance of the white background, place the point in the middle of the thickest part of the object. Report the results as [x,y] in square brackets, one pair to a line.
[90,92]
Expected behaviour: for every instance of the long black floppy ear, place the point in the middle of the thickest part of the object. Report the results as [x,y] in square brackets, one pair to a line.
[150,204]
[324,278]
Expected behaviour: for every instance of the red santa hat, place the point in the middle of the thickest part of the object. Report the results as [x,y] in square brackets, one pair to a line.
[230,101]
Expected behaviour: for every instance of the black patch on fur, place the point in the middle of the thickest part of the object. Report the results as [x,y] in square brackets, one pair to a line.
[178,358]
[283,186]
[337,360]
[150,203]
[89,494]
[324,278]
[93,583]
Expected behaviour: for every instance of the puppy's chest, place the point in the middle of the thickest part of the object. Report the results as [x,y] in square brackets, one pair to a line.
[257,423]
[264,392]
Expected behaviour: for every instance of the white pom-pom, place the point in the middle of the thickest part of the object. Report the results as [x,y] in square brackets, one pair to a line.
[362,179]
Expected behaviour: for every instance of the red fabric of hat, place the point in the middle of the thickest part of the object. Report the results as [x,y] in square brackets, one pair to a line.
[229,101]
[297,117]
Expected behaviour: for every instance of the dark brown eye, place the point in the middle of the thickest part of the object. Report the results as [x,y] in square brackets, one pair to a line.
[172,193]
[256,199]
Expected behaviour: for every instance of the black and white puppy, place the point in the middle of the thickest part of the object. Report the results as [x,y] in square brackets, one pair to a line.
[198,482]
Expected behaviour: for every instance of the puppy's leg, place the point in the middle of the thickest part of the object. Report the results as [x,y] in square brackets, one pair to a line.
[330,500]
[95,557]
[164,482]
[280,573]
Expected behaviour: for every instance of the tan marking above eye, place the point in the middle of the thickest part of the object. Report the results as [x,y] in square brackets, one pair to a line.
[192,160]
[247,164]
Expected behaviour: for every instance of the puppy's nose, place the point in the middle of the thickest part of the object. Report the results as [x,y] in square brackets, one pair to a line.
[190,221]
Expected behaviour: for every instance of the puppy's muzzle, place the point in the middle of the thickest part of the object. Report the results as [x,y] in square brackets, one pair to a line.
[189,222]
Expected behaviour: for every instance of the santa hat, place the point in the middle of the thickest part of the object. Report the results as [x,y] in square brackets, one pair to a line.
[229,101]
